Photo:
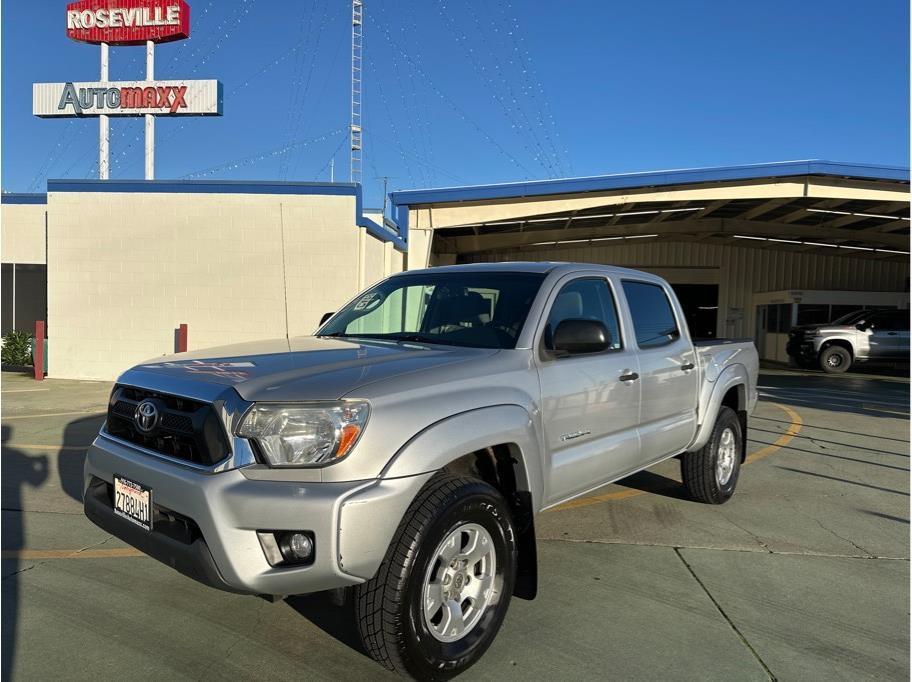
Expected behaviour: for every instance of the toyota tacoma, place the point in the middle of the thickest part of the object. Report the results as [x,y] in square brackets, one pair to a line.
[401,454]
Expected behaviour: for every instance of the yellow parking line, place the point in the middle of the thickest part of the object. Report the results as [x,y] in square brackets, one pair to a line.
[33,554]
[781,441]
[776,445]
[51,414]
[24,390]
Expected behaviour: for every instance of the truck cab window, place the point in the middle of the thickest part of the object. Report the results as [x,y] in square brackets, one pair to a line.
[653,319]
[585,299]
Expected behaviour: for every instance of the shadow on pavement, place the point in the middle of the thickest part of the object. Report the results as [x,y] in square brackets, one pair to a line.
[77,436]
[657,484]
[868,396]
[899,370]
[843,480]
[888,517]
[18,470]
[338,621]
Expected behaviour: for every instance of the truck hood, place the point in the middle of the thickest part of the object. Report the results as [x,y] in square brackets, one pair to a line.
[301,368]
[824,328]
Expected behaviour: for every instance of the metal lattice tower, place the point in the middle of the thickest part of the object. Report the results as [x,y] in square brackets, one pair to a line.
[357,47]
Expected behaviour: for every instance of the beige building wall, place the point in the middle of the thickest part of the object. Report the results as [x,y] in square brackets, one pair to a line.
[22,233]
[373,259]
[740,272]
[126,269]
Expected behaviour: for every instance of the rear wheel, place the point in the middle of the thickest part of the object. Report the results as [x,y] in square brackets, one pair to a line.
[711,473]
[443,589]
[835,360]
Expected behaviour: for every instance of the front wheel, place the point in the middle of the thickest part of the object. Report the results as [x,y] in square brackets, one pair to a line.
[835,360]
[711,473]
[443,589]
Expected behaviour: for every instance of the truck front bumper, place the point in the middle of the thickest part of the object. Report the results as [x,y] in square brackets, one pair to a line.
[205,524]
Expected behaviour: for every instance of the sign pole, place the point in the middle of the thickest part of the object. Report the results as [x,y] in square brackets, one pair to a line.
[104,126]
[150,119]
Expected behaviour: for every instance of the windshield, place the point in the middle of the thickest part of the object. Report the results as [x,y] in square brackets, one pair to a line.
[477,309]
[851,318]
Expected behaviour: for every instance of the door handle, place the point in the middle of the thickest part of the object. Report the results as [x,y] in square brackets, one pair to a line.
[686,368]
[630,376]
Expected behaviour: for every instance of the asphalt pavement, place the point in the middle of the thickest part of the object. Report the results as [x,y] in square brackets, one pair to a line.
[804,574]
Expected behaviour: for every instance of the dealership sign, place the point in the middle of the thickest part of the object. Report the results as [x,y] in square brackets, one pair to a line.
[128,22]
[128,98]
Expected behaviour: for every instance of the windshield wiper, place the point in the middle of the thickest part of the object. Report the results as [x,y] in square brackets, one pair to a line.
[417,338]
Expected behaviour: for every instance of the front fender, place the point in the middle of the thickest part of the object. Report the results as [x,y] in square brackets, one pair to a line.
[447,440]
[711,400]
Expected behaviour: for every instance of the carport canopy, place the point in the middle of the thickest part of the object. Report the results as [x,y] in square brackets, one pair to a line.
[842,209]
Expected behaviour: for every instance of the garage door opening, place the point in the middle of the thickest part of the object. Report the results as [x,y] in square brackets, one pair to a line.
[701,308]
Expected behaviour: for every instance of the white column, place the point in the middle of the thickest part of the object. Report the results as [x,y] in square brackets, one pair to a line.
[104,126]
[150,119]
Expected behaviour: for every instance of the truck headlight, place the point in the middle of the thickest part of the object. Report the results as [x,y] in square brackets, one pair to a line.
[296,434]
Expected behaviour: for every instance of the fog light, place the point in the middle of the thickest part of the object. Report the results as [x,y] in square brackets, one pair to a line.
[296,547]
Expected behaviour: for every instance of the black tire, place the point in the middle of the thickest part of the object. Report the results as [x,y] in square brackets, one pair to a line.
[389,606]
[835,360]
[698,469]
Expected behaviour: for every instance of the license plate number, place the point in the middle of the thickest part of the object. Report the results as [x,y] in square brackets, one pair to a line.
[133,502]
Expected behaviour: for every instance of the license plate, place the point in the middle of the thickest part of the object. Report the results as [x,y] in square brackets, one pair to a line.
[133,502]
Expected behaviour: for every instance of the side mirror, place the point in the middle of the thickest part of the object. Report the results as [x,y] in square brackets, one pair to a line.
[862,326]
[325,317]
[580,336]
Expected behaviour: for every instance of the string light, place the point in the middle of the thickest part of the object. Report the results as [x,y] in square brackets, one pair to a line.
[257,158]
[518,121]
[384,31]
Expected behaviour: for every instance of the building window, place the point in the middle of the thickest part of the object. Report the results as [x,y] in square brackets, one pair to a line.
[24,296]
[778,318]
[813,313]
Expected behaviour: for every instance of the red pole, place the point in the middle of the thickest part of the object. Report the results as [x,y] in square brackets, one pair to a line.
[38,350]
[182,339]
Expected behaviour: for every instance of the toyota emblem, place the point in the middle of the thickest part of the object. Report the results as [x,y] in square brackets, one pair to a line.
[146,416]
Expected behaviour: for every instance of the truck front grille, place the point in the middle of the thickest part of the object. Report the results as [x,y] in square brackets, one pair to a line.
[189,430]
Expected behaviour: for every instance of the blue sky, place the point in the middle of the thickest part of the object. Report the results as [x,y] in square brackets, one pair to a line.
[477,91]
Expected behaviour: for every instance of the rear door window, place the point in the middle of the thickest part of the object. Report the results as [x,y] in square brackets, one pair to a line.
[654,322]
[890,321]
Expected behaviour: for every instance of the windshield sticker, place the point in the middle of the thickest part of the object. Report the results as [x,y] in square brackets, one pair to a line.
[368,300]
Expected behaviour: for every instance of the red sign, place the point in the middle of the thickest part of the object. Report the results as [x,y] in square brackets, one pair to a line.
[128,22]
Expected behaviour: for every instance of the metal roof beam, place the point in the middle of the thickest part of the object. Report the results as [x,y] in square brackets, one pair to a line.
[666,213]
[802,212]
[709,208]
[728,226]
[876,209]
[719,240]
[765,207]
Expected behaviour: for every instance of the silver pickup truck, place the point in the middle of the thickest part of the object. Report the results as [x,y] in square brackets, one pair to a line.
[859,336]
[402,453]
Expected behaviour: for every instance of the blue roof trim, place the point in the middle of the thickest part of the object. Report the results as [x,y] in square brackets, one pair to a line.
[375,230]
[206,187]
[22,198]
[647,179]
